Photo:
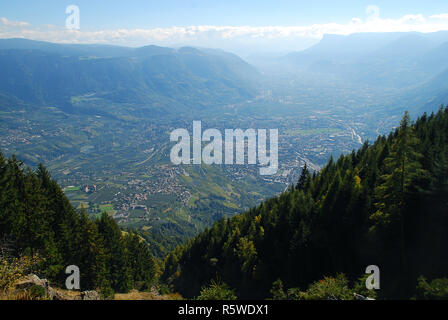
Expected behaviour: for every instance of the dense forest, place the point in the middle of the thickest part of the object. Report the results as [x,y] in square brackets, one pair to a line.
[385,204]
[36,218]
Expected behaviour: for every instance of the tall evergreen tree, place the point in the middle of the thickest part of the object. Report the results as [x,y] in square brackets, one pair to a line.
[402,167]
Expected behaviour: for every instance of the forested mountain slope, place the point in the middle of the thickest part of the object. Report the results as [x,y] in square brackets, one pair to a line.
[79,78]
[385,205]
[37,218]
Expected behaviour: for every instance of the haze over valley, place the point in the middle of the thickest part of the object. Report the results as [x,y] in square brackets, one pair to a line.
[100,116]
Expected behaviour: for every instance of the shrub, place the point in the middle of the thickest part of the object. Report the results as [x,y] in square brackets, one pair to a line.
[12,269]
[37,292]
[217,291]
[437,289]
[330,288]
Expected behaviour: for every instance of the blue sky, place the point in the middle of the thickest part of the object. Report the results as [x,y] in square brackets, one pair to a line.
[279,24]
[108,14]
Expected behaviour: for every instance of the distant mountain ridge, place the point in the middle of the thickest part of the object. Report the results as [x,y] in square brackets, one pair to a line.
[169,79]
[412,62]
[375,57]
[365,44]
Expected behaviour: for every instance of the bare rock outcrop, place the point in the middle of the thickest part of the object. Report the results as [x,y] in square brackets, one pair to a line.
[90,295]
[42,289]
[33,280]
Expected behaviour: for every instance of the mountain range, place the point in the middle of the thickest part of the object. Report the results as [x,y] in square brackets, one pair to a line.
[100,115]
[167,80]
[412,62]
[164,80]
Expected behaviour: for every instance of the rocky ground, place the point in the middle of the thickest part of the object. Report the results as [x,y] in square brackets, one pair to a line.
[31,287]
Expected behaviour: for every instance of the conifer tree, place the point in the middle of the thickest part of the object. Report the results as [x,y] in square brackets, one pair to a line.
[402,167]
[304,179]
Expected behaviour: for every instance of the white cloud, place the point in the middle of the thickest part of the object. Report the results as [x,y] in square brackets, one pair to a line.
[11,23]
[210,35]
[440,16]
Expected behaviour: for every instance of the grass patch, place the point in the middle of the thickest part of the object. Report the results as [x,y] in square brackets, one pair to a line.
[83,205]
[311,132]
[72,189]
[107,208]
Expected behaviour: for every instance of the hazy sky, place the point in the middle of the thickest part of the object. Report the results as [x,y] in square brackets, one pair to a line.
[236,25]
